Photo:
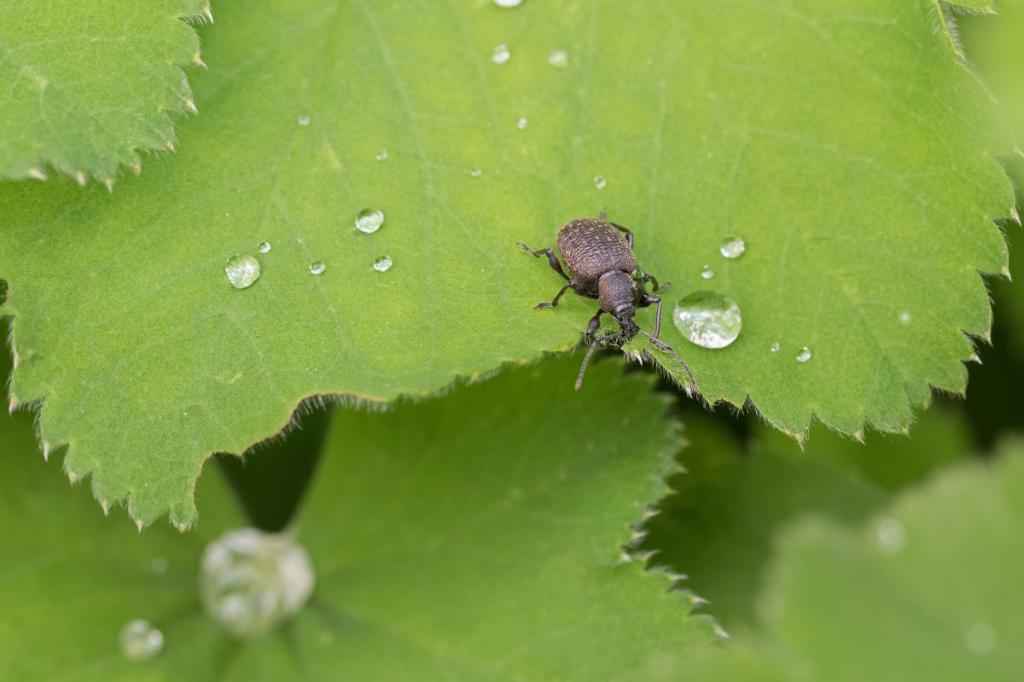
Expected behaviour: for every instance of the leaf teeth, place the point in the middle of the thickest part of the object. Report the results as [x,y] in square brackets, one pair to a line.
[198,60]
[105,506]
[109,182]
[1015,215]
[137,168]
[47,449]
[140,524]
[36,174]
[72,476]
[14,405]
[208,13]
[80,177]
[858,436]
[720,631]
[169,145]
[190,106]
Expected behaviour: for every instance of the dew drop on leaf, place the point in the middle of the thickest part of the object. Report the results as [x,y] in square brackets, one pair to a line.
[476,172]
[369,220]
[708,319]
[707,272]
[905,317]
[304,120]
[732,247]
[600,182]
[251,581]
[265,247]
[804,355]
[382,263]
[559,59]
[890,535]
[242,271]
[501,54]
[317,267]
[522,123]
[382,155]
[140,641]
[508,3]
[775,347]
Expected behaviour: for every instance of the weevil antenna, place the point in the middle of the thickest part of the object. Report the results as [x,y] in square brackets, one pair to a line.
[664,347]
[583,367]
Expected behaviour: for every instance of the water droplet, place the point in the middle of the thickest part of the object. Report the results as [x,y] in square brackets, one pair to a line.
[242,271]
[559,59]
[501,54]
[140,641]
[708,319]
[804,355]
[890,535]
[980,638]
[732,247]
[382,263]
[251,581]
[476,172]
[159,565]
[905,317]
[775,347]
[303,120]
[369,220]
[599,182]
[707,272]
[522,123]
[265,247]
[382,155]
[317,267]
[508,3]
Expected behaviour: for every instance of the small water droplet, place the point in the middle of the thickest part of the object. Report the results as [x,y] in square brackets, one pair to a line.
[140,641]
[708,319]
[804,355]
[599,182]
[905,317]
[242,271]
[501,54]
[775,347]
[980,639]
[304,120]
[382,263]
[522,123]
[732,247]
[707,272]
[317,267]
[890,535]
[476,172]
[559,59]
[508,3]
[158,566]
[382,155]
[265,247]
[369,220]
[251,581]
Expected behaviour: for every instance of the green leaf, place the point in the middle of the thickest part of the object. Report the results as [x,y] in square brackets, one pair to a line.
[448,544]
[91,84]
[844,141]
[934,601]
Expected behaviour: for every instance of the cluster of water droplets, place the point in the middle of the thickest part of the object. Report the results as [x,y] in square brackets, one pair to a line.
[140,640]
[251,581]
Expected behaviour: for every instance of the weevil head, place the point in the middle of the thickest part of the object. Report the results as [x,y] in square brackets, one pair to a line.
[619,294]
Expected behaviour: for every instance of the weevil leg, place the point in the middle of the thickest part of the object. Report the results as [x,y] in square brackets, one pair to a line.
[554,301]
[552,258]
[593,326]
[648,300]
[626,231]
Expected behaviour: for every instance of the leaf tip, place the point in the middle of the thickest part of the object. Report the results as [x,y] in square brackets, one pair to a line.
[36,173]
[190,106]
[80,177]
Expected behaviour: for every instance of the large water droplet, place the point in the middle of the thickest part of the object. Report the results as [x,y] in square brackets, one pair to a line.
[707,272]
[559,59]
[242,271]
[251,581]
[382,263]
[265,247]
[369,220]
[708,319]
[600,182]
[508,3]
[522,123]
[501,54]
[317,267]
[732,247]
[804,355]
[303,120]
[140,641]
[890,535]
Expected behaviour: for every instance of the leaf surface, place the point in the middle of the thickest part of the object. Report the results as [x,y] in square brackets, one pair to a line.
[89,85]
[844,141]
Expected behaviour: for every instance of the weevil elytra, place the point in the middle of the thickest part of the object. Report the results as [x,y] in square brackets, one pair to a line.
[599,257]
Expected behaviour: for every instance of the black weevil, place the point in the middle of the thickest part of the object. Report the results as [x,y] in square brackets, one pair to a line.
[600,259]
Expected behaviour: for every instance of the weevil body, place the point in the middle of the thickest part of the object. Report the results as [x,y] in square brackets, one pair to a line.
[601,263]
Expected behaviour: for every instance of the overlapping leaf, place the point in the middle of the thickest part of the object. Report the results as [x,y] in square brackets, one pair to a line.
[448,546]
[88,85]
[843,140]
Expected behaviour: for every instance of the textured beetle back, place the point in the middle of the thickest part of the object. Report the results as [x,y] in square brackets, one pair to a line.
[591,248]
